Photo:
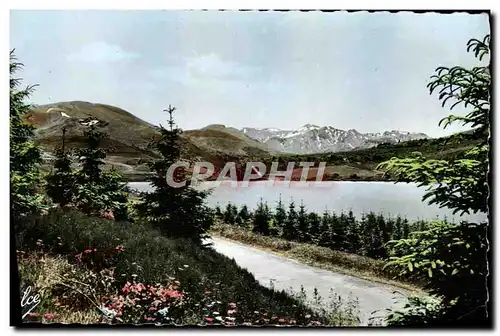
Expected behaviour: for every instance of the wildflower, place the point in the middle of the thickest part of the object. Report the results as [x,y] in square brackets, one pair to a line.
[231,311]
[219,318]
[186,266]
[216,313]
[209,319]
[49,316]
[153,308]
[87,251]
[149,318]
[281,320]
[34,315]
[78,257]
[163,311]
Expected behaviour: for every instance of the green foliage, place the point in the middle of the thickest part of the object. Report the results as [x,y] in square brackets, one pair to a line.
[96,191]
[25,156]
[231,214]
[243,215]
[153,258]
[303,224]
[452,259]
[367,236]
[262,217]
[290,230]
[279,219]
[61,181]
[175,211]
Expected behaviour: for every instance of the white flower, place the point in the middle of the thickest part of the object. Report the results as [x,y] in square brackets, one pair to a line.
[186,266]
[218,318]
[107,312]
[163,311]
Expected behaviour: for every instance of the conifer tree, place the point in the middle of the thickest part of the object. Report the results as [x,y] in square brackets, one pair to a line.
[291,224]
[279,217]
[302,224]
[175,211]
[244,215]
[339,228]
[261,219]
[61,181]
[314,226]
[25,156]
[98,191]
[218,212]
[325,237]
[230,214]
[352,234]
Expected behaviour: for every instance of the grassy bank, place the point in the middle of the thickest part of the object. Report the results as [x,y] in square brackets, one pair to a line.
[83,265]
[322,257]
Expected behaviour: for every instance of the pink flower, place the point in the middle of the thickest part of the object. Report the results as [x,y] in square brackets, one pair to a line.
[34,315]
[149,318]
[87,251]
[49,316]
[126,288]
[209,319]
[281,320]
[153,308]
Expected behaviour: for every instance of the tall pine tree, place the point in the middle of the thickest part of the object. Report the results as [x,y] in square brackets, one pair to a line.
[61,181]
[25,156]
[279,217]
[291,224]
[303,224]
[261,219]
[98,191]
[175,211]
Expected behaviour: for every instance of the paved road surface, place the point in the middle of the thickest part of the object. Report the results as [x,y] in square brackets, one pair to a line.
[286,274]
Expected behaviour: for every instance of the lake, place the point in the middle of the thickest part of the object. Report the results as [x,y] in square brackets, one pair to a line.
[360,197]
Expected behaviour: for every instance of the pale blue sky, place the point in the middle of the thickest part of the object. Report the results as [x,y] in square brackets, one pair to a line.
[256,69]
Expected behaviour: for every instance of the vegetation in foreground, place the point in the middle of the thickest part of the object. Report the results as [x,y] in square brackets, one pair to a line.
[92,270]
[144,262]
[452,258]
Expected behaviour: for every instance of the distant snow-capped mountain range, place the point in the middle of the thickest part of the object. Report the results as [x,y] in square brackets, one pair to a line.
[315,139]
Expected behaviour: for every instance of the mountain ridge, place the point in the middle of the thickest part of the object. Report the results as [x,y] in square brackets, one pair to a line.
[311,138]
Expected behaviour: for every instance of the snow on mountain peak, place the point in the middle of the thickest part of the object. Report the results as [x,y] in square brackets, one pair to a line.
[315,139]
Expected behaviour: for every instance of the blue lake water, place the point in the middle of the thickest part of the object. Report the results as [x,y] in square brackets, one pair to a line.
[360,197]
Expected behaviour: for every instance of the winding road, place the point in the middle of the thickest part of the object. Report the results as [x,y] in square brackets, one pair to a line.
[286,274]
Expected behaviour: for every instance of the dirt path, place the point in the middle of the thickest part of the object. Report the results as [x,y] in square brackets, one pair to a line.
[288,274]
